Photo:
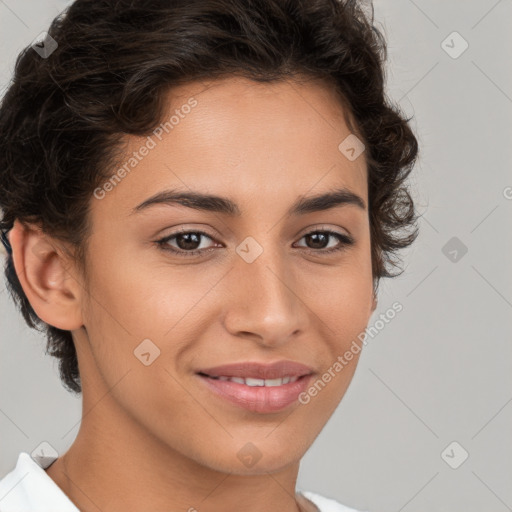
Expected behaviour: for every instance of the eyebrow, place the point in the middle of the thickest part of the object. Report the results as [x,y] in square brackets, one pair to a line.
[218,204]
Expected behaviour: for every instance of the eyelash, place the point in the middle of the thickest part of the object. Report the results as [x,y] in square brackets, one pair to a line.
[344,240]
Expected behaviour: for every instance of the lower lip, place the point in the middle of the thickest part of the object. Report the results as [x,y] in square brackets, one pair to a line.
[262,399]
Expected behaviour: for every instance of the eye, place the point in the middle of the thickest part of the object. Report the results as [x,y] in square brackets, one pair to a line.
[321,238]
[189,243]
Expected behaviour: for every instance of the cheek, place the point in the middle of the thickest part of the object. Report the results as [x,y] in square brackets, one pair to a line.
[344,309]
[135,298]
[343,305]
[134,308]
[342,296]
[347,304]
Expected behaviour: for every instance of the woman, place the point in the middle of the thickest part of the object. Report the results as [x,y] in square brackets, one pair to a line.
[200,200]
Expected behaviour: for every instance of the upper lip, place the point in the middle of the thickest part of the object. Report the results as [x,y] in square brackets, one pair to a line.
[276,370]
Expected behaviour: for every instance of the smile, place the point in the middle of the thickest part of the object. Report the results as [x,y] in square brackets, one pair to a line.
[248,381]
[257,395]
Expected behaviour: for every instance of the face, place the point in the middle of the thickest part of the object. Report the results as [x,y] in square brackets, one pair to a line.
[174,289]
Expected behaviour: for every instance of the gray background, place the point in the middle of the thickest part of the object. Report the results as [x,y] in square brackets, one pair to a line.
[441,371]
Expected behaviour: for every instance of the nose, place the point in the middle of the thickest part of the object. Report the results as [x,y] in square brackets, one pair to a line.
[265,302]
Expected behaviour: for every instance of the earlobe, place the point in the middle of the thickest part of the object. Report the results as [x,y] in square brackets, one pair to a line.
[53,292]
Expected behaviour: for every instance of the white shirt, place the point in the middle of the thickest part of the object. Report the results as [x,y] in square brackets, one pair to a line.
[28,488]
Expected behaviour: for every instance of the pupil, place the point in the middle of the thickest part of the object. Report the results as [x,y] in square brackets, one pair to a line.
[187,243]
[315,237]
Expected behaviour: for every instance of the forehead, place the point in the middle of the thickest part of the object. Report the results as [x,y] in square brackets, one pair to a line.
[242,102]
[247,136]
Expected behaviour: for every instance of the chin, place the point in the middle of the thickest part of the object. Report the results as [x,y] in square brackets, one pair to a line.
[262,467]
[255,458]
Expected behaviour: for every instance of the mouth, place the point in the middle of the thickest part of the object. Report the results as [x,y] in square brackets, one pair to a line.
[252,372]
[254,382]
[264,394]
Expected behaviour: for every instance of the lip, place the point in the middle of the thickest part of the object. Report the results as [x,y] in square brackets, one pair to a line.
[260,399]
[255,370]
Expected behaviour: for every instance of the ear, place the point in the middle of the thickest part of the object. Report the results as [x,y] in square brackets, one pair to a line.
[46,274]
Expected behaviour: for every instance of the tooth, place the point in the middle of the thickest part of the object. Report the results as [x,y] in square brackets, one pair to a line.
[254,382]
[249,381]
[273,382]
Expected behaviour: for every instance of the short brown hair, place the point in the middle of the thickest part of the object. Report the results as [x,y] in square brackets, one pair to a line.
[63,117]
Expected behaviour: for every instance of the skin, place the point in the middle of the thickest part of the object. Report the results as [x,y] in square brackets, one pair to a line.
[154,437]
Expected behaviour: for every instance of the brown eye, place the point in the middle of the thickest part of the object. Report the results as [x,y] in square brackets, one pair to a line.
[188,243]
[318,241]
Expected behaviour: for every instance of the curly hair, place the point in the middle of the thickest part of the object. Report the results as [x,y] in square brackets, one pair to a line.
[63,118]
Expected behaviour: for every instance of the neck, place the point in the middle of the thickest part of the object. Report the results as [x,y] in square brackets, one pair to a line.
[112,469]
